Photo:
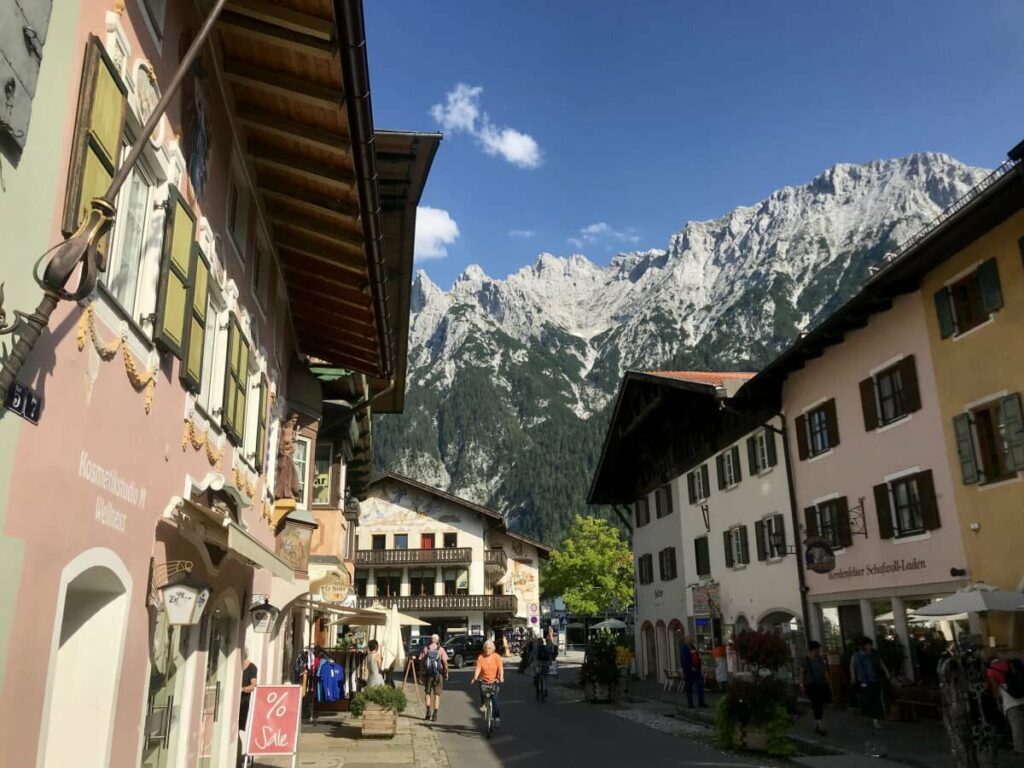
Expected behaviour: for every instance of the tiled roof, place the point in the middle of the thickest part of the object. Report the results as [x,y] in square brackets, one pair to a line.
[716,378]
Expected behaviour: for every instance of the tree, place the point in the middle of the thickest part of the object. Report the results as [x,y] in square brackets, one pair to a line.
[593,570]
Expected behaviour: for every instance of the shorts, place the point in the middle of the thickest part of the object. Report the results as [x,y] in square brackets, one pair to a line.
[433,684]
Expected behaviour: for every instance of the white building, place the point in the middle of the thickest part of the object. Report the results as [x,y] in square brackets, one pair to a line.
[444,560]
[713,538]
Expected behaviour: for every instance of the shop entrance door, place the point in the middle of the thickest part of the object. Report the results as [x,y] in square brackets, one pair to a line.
[213,725]
[163,714]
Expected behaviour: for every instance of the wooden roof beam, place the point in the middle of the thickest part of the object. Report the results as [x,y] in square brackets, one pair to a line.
[345,287]
[294,130]
[265,33]
[318,320]
[284,18]
[316,238]
[326,296]
[281,84]
[300,166]
[335,209]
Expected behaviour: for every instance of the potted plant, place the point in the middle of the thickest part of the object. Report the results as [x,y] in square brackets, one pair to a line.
[599,675]
[379,707]
[755,714]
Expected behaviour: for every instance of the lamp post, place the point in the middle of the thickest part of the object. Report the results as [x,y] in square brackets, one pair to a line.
[184,599]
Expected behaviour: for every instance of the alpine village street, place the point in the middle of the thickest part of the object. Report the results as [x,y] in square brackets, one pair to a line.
[462,384]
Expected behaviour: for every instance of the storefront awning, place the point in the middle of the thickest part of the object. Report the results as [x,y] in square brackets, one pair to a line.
[246,545]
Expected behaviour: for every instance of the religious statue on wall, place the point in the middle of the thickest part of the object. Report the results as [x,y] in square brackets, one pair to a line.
[287,484]
[196,119]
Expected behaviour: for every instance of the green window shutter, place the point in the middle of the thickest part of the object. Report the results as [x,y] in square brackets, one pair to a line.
[844,534]
[242,385]
[944,311]
[1012,421]
[737,472]
[727,540]
[773,457]
[911,387]
[172,307]
[884,510]
[868,404]
[811,521]
[929,501]
[965,448]
[195,322]
[988,283]
[229,408]
[261,427]
[762,551]
[96,143]
[752,455]
[801,436]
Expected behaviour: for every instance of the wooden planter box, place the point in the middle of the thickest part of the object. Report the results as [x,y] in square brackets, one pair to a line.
[378,721]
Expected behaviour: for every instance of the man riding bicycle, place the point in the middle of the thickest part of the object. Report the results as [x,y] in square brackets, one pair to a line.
[490,671]
[543,652]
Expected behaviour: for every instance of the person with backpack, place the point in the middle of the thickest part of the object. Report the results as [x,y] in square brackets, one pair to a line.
[434,665]
[543,652]
[815,682]
[868,673]
[1006,678]
[693,673]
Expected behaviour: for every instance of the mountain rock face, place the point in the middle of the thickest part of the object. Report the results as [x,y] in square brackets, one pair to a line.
[510,382]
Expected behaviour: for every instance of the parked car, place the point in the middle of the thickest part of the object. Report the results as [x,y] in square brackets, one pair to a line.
[463,648]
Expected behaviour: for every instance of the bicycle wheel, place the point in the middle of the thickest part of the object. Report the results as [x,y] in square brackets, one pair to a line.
[489,717]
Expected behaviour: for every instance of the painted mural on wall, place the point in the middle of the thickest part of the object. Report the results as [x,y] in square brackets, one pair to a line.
[396,505]
[196,127]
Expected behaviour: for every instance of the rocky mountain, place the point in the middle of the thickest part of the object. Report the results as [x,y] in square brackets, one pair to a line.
[510,380]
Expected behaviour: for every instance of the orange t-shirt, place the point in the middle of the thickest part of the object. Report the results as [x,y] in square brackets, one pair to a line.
[489,668]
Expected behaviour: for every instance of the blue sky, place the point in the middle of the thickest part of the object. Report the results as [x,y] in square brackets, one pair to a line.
[595,127]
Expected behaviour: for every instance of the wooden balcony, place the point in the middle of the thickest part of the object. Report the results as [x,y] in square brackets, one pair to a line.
[438,556]
[415,603]
[495,560]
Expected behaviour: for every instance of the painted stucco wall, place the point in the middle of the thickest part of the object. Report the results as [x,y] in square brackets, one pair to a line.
[982,364]
[524,564]
[863,459]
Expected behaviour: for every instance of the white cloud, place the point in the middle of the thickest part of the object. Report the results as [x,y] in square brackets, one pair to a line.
[525,234]
[603,232]
[435,231]
[461,113]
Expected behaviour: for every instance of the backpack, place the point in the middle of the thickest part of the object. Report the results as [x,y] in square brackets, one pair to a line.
[1013,680]
[432,663]
[543,653]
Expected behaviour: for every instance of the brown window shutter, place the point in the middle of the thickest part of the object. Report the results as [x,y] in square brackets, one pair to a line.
[929,502]
[737,472]
[811,520]
[801,436]
[706,477]
[773,457]
[832,422]
[780,526]
[96,144]
[911,387]
[727,539]
[844,535]
[720,467]
[869,404]
[884,510]
[752,455]
[744,544]
[261,428]
[762,553]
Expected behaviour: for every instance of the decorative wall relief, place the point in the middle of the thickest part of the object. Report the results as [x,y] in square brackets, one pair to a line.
[106,350]
[200,439]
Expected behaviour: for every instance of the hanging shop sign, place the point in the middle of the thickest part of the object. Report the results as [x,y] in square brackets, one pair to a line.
[273,725]
[335,587]
[24,402]
[706,599]
[819,557]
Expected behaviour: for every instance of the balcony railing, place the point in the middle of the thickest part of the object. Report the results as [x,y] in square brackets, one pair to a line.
[489,603]
[440,555]
[496,559]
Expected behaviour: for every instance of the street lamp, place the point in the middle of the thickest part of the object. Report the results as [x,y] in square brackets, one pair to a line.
[184,599]
[263,615]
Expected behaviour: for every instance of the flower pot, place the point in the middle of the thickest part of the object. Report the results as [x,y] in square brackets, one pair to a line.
[378,721]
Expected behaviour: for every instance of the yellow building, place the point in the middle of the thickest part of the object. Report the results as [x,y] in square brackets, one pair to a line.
[974,299]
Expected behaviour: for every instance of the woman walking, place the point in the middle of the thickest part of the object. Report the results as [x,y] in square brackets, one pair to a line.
[814,680]
[373,663]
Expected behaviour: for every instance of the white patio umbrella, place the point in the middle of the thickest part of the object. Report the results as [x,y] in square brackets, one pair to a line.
[391,647]
[976,598]
[609,624]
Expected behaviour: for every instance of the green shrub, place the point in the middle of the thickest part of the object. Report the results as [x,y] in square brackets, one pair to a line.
[601,665]
[382,695]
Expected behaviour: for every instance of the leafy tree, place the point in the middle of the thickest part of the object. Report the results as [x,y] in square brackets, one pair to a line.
[593,570]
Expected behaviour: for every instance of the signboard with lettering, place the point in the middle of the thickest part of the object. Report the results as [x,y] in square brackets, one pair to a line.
[819,556]
[706,600]
[273,726]
[24,402]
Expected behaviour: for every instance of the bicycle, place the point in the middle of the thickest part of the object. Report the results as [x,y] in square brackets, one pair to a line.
[489,690]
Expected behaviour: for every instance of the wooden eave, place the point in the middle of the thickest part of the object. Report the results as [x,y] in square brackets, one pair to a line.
[282,64]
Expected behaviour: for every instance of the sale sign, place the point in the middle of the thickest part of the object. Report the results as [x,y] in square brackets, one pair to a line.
[273,727]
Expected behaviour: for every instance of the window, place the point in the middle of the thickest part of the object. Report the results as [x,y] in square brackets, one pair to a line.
[322,474]
[360,583]
[645,569]
[421,581]
[155,11]
[127,254]
[211,380]
[389,583]
[427,541]
[456,581]
[379,541]
[698,484]
[401,541]
[890,394]
[770,535]
[663,501]
[667,564]
[970,301]
[990,441]
[300,458]
[907,505]
[260,269]
[238,214]
[817,431]
[737,550]
[761,453]
[235,391]
[728,465]
[703,556]
[831,520]
[451,540]
[642,512]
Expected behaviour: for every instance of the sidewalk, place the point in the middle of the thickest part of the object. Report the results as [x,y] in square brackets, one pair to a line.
[334,741]
[923,744]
